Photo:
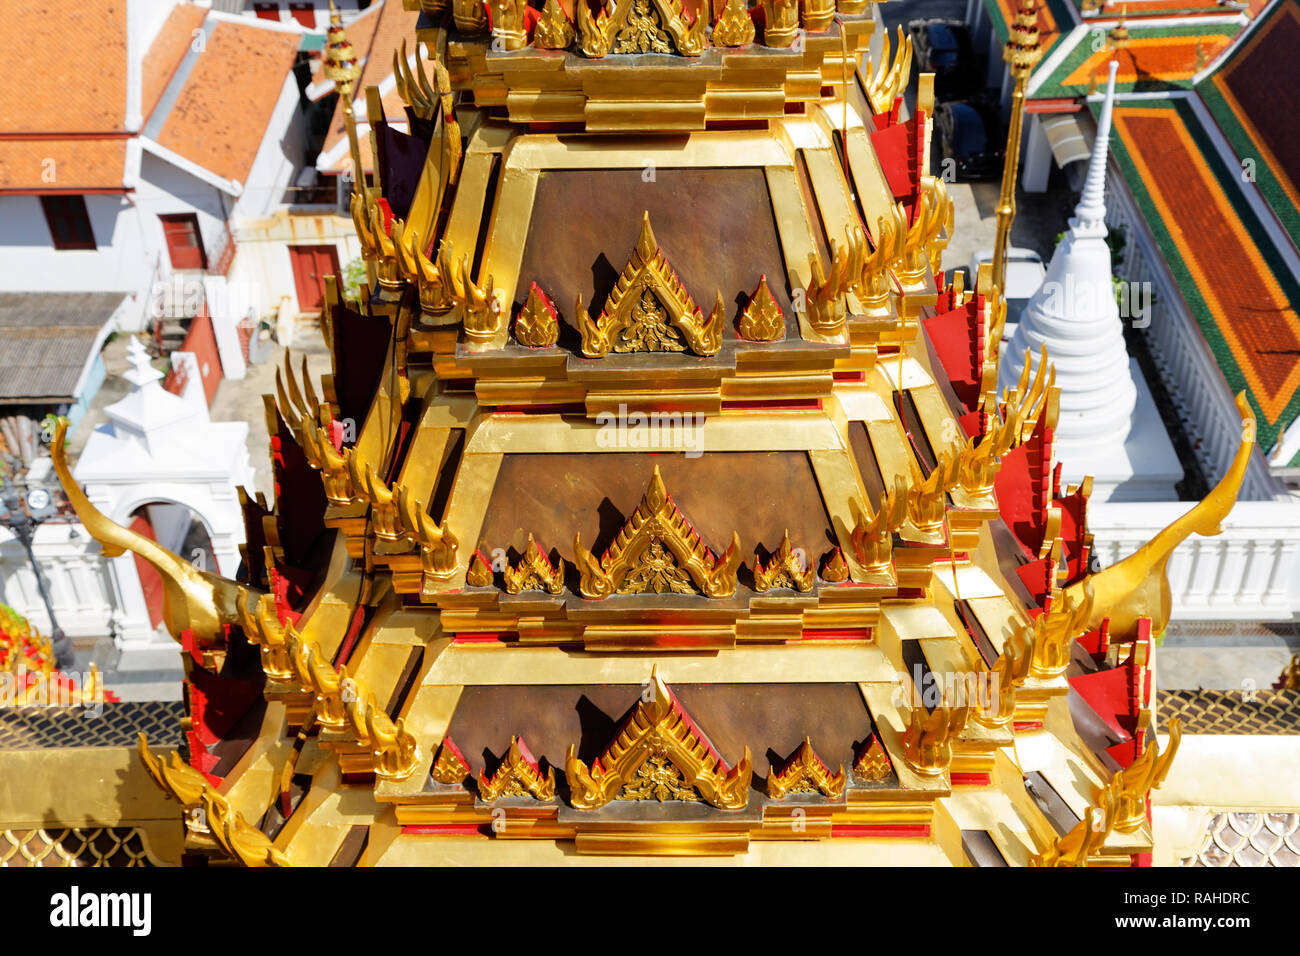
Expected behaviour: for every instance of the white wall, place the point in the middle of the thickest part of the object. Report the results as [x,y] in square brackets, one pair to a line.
[75,574]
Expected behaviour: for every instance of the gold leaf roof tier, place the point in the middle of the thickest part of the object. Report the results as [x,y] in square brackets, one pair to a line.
[696,509]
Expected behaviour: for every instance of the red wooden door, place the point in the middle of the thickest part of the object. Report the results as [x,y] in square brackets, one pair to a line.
[304,13]
[311,264]
[151,582]
[184,243]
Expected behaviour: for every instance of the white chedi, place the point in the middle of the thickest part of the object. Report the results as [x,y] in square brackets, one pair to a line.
[1075,315]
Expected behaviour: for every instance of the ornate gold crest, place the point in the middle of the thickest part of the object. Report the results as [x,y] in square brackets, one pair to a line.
[658,551]
[450,766]
[734,26]
[640,26]
[649,310]
[518,776]
[786,569]
[553,30]
[479,574]
[762,320]
[658,754]
[805,772]
[835,570]
[534,572]
[872,763]
[537,325]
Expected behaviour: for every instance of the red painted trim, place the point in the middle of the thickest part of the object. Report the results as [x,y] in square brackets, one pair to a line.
[897,830]
[1028,725]
[795,404]
[1064,105]
[478,637]
[837,633]
[849,376]
[441,829]
[971,779]
[70,191]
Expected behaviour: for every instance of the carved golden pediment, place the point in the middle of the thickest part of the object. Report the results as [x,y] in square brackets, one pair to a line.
[762,320]
[805,772]
[640,26]
[534,572]
[658,552]
[518,776]
[450,766]
[872,763]
[787,568]
[658,754]
[649,310]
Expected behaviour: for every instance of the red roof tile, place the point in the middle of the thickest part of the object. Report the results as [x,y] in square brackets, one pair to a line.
[66,60]
[167,51]
[220,117]
[62,164]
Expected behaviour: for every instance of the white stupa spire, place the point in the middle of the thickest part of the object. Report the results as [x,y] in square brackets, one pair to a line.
[1074,314]
[149,414]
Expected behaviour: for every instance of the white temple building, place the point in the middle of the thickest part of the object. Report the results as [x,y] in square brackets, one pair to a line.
[161,467]
[1109,426]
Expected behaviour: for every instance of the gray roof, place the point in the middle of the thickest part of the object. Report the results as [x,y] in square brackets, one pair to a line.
[46,339]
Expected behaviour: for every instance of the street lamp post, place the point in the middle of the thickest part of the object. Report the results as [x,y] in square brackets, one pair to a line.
[23,519]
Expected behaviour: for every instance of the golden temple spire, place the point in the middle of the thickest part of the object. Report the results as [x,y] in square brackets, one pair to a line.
[1022,53]
[342,67]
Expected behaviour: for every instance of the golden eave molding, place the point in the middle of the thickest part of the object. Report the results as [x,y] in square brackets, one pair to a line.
[750,83]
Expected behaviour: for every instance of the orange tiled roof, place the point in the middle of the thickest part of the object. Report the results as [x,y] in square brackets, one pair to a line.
[1245,303]
[168,49]
[1165,58]
[62,164]
[360,31]
[220,117]
[66,60]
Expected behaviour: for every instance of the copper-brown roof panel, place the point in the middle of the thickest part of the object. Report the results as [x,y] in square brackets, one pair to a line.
[758,494]
[715,226]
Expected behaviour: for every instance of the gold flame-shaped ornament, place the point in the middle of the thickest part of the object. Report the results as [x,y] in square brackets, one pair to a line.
[762,320]
[537,325]
[734,26]
[553,30]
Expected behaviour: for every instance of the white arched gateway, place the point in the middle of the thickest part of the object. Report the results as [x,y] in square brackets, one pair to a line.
[161,466]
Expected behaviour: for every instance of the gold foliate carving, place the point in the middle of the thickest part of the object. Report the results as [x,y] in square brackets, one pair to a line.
[641,26]
[927,499]
[1077,847]
[437,544]
[734,26]
[658,733]
[1065,619]
[873,532]
[980,459]
[824,298]
[518,776]
[817,15]
[835,570]
[927,743]
[934,212]
[657,550]
[1008,672]
[470,16]
[1138,586]
[482,307]
[762,320]
[1143,775]
[888,82]
[873,284]
[450,766]
[781,19]
[872,763]
[262,628]
[786,569]
[553,30]
[537,325]
[376,240]
[479,574]
[805,772]
[429,276]
[534,572]
[946,211]
[208,812]
[509,29]
[413,85]
[395,752]
[649,310]
[370,488]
